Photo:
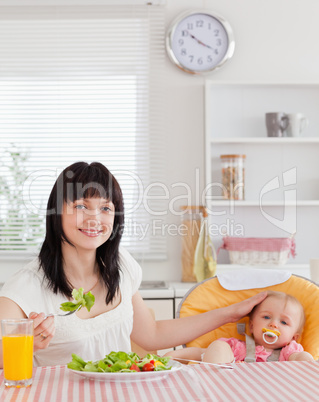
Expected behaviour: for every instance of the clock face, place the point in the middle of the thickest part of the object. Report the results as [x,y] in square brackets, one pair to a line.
[200,42]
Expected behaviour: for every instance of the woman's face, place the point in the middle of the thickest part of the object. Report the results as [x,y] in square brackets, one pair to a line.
[276,314]
[88,223]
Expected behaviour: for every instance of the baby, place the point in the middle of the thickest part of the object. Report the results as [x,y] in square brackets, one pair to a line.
[276,323]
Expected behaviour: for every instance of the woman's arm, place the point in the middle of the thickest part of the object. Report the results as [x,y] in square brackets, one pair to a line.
[151,334]
[10,309]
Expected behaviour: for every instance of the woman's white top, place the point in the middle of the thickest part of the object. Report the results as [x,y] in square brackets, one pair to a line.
[91,338]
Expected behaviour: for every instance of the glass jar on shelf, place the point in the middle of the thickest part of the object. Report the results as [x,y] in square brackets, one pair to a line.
[233,176]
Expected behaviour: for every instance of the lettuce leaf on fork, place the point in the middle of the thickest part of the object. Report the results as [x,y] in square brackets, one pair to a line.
[80,300]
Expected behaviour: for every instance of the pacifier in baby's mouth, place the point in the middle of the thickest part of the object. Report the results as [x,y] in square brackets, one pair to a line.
[272,333]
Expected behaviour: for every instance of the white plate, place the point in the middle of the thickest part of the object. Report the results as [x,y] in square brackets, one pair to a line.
[124,377]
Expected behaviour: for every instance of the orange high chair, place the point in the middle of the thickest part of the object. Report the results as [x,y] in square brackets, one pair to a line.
[235,286]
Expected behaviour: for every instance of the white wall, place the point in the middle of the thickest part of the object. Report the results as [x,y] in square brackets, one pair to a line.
[276,41]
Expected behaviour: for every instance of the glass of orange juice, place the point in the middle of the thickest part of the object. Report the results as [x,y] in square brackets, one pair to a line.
[17,351]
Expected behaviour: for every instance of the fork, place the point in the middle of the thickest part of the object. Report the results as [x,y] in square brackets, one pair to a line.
[62,315]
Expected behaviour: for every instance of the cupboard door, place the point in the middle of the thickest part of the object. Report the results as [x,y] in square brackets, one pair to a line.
[164,310]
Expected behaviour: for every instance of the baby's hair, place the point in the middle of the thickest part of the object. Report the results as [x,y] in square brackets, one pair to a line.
[287,298]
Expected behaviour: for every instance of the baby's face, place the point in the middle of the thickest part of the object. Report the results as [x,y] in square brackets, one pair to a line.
[276,314]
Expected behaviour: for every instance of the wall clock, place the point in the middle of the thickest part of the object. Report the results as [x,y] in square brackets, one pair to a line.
[199,42]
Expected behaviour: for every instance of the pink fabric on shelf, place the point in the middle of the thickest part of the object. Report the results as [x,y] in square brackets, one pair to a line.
[258,244]
[239,349]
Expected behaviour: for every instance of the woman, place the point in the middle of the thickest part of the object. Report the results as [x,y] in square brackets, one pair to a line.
[85,218]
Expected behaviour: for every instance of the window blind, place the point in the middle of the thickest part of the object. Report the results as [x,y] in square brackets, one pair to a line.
[77,84]
[80,2]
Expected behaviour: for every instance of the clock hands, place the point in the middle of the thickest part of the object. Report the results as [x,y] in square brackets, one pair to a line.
[199,41]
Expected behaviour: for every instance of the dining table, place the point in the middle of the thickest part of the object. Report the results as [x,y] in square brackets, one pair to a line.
[271,381]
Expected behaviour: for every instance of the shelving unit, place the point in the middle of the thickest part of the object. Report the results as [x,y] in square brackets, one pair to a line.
[235,124]
[237,266]
[267,140]
[300,203]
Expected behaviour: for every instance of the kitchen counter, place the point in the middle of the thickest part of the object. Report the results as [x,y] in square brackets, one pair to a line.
[164,293]
[170,291]
[181,288]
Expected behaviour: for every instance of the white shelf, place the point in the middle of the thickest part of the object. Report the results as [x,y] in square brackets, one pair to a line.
[232,203]
[266,140]
[285,267]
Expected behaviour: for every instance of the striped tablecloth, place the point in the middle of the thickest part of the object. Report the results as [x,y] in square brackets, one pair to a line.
[285,381]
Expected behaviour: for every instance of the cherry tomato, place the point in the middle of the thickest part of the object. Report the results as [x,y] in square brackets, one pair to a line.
[135,367]
[152,361]
[148,367]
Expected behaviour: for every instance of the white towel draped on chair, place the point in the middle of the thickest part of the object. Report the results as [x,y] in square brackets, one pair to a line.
[252,278]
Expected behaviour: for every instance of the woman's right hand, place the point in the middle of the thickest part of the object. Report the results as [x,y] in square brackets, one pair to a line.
[239,310]
[44,330]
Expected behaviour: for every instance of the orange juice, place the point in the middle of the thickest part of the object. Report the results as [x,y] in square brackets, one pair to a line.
[17,356]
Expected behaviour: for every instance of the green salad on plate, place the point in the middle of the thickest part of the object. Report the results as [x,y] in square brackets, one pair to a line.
[121,362]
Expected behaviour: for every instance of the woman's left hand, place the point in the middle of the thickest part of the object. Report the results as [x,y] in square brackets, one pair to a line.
[44,330]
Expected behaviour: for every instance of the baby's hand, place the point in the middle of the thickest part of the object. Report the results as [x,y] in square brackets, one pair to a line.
[301,357]
[44,330]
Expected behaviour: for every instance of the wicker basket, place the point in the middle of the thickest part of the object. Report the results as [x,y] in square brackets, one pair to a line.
[259,251]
